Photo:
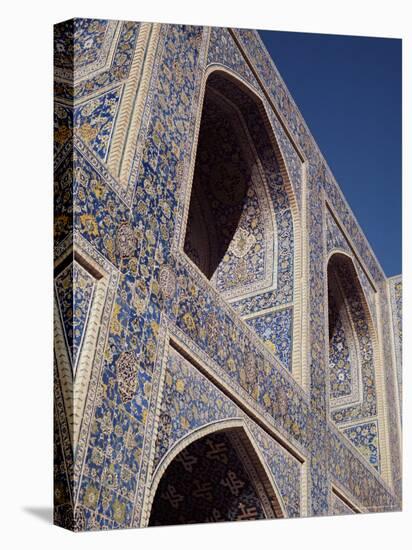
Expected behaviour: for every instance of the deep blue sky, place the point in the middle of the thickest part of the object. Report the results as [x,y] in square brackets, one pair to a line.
[349,92]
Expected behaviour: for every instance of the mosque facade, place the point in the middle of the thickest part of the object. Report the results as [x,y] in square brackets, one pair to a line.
[227,345]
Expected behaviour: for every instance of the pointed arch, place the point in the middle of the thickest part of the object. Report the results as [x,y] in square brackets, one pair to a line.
[249,257]
[362,418]
[248,453]
[352,342]
[351,259]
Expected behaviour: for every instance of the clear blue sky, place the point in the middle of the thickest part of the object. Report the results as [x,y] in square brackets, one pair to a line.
[349,92]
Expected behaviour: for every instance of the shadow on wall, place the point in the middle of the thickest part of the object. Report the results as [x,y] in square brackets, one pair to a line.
[44,513]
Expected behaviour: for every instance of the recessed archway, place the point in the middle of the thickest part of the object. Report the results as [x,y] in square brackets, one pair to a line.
[351,342]
[217,477]
[353,360]
[242,220]
[231,227]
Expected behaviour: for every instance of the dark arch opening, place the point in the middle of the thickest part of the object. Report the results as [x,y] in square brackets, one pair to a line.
[211,480]
[225,175]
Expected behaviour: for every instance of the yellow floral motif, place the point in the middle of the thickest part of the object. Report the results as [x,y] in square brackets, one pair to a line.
[87,132]
[255,393]
[151,239]
[155,327]
[118,430]
[266,400]
[90,224]
[295,428]
[138,303]
[142,208]
[119,511]
[97,456]
[151,349]
[195,412]
[106,424]
[147,388]
[137,453]
[109,244]
[155,288]
[126,474]
[184,423]
[115,326]
[144,271]
[188,321]
[62,134]
[91,496]
[180,386]
[271,346]
[80,194]
[231,364]
[133,265]
[108,355]
[168,379]
[98,188]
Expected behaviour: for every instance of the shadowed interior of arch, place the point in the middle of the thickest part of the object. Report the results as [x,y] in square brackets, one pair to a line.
[352,383]
[344,305]
[219,233]
[216,478]
[343,359]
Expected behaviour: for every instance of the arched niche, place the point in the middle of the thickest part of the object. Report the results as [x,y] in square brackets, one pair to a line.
[356,391]
[214,475]
[241,220]
[240,226]
[345,365]
[352,345]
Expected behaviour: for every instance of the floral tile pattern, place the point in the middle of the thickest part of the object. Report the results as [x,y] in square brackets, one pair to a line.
[275,329]
[365,438]
[339,507]
[94,121]
[236,331]
[190,401]
[396,305]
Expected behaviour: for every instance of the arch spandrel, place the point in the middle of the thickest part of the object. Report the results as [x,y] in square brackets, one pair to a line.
[192,406]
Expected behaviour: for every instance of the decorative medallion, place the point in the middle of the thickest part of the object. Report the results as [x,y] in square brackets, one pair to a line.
[125,240]
[167,282]
[126,369]
[242,243]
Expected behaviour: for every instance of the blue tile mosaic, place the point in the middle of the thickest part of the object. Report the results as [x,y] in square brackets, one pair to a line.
[204,286]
